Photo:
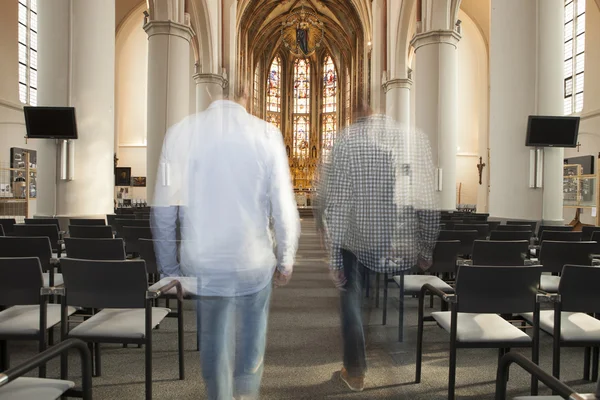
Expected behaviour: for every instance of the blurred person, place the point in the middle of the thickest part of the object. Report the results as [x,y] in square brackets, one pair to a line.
[379,212]
[224,177]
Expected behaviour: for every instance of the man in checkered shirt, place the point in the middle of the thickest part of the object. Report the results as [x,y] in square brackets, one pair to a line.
[377,209]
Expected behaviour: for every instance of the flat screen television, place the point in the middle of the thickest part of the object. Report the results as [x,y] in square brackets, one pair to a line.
[50,122]
[545,131]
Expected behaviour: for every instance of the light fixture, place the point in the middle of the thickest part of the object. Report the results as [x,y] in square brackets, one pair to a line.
[369,43]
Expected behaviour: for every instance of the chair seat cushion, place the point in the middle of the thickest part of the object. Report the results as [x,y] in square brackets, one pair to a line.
[414,283]
[573,326]
[128,323]
[25,320]
[481,328]
[549,283]
[189,285]
[35,389]
[58,279]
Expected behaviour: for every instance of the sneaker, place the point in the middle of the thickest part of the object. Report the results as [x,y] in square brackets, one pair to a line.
[356,384]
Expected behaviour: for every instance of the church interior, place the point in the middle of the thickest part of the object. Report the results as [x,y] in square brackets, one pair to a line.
[473,75]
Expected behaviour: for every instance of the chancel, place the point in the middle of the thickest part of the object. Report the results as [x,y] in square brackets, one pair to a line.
[500,97]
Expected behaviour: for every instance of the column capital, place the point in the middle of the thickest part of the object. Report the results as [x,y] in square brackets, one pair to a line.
[397,84]
[214,79]
[450,37]
[171,28]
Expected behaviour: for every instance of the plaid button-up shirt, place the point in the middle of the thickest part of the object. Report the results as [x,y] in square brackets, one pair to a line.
[376,196]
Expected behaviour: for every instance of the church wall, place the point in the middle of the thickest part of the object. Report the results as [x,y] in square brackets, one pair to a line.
[131,92]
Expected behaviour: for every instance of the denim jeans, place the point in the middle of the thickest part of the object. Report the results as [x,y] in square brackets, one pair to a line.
[233,334]
[353,334]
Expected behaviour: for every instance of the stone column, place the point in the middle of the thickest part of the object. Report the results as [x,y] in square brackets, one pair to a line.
[378,52]
[437,103]
[168,86]
[550,100]
[77,68]
[397,100]
[209,87]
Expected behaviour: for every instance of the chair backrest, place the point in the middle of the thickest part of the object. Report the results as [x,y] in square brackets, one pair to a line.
[141,215]
[42,221]
[105,284]
[50,231]
[466,238]
[7,225]
[17,246]
[578,288]
[90,231]
[482,229]
[121,223]
[95,249]
[2,233]
[588,231]
[562,236]
[555,228]
[500,252]
[443,226]
[110,218]
[514,228]
[20,281]
[132,234]
[493,225]
[555,255]
[445,254]
[146,250]
[481,217]
[497,289]
[87,221]
[510,235]
[532,224]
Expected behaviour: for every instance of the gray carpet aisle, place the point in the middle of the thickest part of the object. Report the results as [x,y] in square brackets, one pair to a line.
[303,356]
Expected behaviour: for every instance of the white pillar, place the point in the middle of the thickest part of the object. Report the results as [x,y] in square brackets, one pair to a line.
[209,87]
[77,68]
[550,100]
[397,100]
[378,51]
[168,87]
[437,103]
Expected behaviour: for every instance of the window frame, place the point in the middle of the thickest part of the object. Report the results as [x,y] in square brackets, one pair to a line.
[574,78]
[27,81]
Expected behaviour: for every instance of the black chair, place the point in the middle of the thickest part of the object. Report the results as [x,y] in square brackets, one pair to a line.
[95,249]
[482,229]
[560,236]
[132,235]
[90,231]
[48,230]
[7,225]
[466,238]
[510,235]
[26,314]
[119,224]
[555,255]
[2,233]
[482,293]
[569,322]
[587,232]
[493,225]
[42,221]
[514,228]
[141,215]
[500,253]
[445,255]
[15,386]
[87,221]
[532,224]
[126,315]
[38,247]
[555,228]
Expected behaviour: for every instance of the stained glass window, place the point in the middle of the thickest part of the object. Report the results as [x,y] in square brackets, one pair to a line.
[330,97]
[27,27]
[301,135]
[274,93]
[256,94]
[574,35]
[301,119]
[329,130]
[348,99]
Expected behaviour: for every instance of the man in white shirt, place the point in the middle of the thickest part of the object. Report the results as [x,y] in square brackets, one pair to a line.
[224,175]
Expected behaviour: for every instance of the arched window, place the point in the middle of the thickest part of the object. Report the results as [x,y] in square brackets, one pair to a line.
[330,92]
[256,94]
[28,51]
[274,93]
[301,115]
[574,55]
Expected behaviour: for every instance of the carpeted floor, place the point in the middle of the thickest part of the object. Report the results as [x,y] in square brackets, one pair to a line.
[303,355]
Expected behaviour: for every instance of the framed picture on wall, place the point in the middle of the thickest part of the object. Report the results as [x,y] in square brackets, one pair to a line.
[138,181]
[123,176]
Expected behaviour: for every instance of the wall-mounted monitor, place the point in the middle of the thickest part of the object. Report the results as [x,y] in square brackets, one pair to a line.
[544,131]
[50,122]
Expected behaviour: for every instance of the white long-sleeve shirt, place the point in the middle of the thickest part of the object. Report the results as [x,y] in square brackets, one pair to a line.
[225,174]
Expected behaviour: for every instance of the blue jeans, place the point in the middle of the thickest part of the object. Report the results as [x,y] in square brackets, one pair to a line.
[233,333]
[353,334]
